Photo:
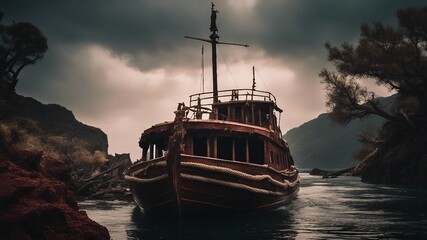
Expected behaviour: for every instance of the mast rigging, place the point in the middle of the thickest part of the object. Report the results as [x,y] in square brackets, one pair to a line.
[213,40]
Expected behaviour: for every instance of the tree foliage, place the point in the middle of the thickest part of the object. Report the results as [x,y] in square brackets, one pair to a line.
[21,44]
[394,57]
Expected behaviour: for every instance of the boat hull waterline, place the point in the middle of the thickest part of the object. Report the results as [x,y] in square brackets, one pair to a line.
[207,185]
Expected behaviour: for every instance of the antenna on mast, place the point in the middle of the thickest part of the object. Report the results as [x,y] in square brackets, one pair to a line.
[253,78]
[203,69]
[253,82]
[213,40]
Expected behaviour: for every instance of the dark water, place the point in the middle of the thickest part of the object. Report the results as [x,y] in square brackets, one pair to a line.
[341,208]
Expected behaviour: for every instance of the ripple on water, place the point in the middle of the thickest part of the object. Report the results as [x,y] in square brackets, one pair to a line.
[339,208]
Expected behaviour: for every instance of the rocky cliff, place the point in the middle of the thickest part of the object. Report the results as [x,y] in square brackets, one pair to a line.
[31,125]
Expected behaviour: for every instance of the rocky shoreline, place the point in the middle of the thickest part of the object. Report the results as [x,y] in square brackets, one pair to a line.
[36,202]
[49,161]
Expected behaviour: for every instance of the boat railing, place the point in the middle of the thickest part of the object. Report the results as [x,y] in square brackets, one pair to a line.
[205,99]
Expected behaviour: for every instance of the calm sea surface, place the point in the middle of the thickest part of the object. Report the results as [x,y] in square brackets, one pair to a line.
[340,208]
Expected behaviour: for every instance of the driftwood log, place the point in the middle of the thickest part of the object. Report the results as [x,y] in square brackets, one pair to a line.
[354,170]
[329,174]
[105,184]
[102,173]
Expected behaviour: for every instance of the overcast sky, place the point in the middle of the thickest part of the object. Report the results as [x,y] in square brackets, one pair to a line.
[123,66]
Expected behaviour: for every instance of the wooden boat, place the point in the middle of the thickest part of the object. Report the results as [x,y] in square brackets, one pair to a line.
[223,153]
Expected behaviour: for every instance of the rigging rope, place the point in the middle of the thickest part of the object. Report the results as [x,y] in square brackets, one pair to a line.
[203,69]
[226,65]
[265,85]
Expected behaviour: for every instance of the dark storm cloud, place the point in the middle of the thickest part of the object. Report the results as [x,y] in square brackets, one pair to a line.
[88,38]
[300,28]
[133,28]
[125,27]
[120,25]
[147,34]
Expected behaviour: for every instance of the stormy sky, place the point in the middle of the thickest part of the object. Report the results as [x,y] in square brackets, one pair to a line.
[123,66]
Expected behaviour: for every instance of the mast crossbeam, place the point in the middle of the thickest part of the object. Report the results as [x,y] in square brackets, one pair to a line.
[214,41]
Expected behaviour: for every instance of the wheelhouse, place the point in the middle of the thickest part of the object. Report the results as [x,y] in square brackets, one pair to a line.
[242,126]
[246,106]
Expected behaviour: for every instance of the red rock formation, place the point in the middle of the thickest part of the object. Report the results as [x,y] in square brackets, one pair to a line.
[36,206]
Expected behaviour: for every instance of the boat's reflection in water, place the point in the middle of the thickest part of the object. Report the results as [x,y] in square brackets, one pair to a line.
[275,224]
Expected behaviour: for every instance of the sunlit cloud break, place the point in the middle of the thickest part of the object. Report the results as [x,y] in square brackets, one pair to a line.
[123,67]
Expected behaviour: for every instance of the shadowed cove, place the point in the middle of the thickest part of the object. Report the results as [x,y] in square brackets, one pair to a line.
[394,57]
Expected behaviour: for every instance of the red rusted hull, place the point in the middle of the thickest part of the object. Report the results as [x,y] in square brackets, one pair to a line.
[209,186]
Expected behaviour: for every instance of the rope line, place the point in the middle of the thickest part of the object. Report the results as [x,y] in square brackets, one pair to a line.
[157,164]
[146,180]
[259,76]
[240,174]
[294,183]
[229,184]
[285,184]
[228,68]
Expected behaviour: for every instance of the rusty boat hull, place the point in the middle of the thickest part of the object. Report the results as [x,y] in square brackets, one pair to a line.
[209,186]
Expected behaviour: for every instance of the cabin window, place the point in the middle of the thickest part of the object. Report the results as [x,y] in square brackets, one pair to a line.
[274,121]
[212,147]
[272,157]
[238,113]
[256,116]
[240,149]
[265,116]
[144,153]
[256,151]
[153,151]
[223,113]
[200,146]
[249,114]
[225,148]
[288,164]
[159,151]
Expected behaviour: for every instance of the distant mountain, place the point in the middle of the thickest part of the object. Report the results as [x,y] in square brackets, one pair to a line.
[31,125]
[322,143]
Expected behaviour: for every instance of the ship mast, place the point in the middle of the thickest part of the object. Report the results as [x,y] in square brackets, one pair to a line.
[213,40]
